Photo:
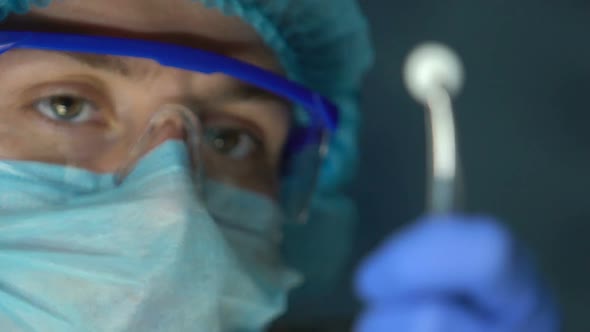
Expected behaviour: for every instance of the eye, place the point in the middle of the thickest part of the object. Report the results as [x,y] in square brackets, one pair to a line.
[232,142]
[66,108]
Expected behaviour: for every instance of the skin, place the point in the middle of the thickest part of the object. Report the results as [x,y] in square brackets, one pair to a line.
[120,96]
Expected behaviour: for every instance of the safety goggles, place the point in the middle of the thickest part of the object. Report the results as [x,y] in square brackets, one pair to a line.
[220,130]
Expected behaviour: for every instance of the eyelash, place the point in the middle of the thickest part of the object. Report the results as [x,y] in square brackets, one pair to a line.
[245,144]
[90,98]
[43,105]
[217,123]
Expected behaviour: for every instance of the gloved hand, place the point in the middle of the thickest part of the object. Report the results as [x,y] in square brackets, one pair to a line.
[453,274]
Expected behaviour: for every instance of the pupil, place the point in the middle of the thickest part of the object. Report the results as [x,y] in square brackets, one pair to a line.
[66,107]
[224,140]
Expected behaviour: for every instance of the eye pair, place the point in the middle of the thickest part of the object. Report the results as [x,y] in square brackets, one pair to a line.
[231,140]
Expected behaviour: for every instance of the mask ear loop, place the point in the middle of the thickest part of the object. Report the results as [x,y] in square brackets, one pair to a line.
[170,122]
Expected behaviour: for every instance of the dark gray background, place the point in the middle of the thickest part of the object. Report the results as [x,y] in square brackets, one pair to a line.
[522,121]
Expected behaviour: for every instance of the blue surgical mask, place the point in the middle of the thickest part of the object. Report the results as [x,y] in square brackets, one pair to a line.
[78,253]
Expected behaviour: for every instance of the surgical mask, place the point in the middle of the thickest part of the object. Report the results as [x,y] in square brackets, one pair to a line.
[78,253]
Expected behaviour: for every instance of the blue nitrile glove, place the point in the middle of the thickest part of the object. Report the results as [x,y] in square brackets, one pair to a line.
[453,274]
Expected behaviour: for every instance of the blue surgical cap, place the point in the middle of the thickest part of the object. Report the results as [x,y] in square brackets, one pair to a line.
[323,44]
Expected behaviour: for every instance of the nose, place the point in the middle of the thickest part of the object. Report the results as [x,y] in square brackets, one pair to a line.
[171,122]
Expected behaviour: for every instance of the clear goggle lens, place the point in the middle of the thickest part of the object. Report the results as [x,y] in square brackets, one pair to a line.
[244,138]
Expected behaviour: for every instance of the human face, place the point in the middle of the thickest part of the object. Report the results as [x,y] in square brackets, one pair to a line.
[50,100]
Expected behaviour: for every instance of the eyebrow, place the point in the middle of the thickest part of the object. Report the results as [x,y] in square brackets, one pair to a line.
[240,91]
[109,63]
[234,92]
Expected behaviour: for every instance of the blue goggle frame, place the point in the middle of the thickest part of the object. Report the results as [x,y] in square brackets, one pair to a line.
[322,114]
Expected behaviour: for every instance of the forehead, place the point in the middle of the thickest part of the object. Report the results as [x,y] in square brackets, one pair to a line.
[184,22]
